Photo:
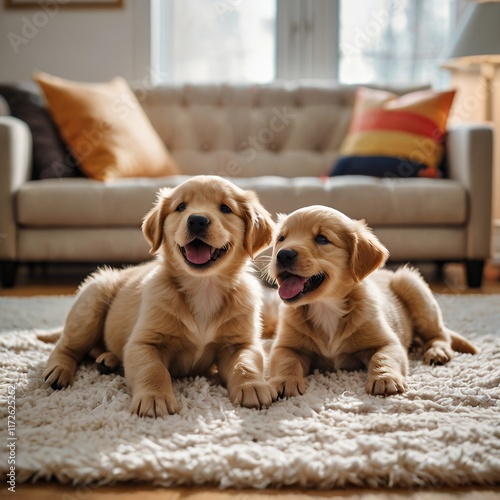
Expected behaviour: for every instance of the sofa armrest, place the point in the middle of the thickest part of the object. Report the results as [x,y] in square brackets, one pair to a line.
[15,170]
[470,161]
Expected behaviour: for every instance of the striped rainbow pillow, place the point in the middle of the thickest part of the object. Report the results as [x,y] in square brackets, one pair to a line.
[410,127]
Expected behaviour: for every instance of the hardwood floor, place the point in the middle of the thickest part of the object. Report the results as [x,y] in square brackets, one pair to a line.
[64,280]
[135,492]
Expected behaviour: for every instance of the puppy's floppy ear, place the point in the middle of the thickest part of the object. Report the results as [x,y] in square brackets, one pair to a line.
[259,224]
[152,225]
[280,219]
[278,226]
[367,253]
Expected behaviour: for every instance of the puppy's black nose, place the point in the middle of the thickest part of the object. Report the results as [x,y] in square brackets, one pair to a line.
[198,224]
[286,256]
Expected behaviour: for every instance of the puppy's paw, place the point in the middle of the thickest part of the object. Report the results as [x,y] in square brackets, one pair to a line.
[154,405]
[58,376]
[289,387]
[438,355]
[385,385]
[107,362]
[253,395]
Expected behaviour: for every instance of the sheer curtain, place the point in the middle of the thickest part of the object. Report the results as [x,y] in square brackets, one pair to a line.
[202,41]
[361,41]
[395,41]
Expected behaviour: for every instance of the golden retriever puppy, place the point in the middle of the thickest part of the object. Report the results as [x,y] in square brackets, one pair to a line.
[338,315]
[193,307]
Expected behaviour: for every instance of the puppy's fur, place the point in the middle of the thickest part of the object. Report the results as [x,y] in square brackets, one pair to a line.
[192,307]
[338,315]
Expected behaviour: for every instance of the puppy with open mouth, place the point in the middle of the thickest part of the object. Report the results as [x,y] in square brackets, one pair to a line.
[340,311]
[193,307]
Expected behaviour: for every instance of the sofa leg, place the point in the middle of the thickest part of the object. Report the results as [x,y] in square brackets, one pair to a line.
[9,271]
[474,270]
[440,269]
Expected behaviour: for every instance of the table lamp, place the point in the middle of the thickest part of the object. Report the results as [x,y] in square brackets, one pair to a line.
[477,42]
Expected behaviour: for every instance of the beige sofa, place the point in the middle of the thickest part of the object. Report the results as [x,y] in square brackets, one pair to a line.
[277,140]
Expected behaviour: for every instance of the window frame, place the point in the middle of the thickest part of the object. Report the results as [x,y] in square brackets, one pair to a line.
[307,38]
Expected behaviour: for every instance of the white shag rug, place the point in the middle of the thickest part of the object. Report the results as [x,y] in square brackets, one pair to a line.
[444,431]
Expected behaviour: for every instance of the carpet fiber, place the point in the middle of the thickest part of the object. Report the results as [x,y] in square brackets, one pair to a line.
[444,431]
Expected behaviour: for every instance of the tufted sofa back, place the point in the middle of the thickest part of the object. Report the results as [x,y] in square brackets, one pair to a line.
[280,129]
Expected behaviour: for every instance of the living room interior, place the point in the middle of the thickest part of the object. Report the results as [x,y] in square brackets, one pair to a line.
[276,96]
[143,54]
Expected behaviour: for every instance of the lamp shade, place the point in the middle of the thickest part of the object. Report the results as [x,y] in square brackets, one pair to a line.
[478,37]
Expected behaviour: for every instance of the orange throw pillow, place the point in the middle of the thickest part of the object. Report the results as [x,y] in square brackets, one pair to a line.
[412,126]
[106,128]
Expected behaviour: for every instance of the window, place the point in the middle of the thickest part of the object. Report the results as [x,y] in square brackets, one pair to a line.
[362,41]
[394,41]
[204,41]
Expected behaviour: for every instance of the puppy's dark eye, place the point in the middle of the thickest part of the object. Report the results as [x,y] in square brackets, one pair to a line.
[181,207]
[321,240]
[281,238]
[225,209]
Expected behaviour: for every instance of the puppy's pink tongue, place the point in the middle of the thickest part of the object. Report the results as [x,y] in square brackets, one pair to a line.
[291,287]
[198,254]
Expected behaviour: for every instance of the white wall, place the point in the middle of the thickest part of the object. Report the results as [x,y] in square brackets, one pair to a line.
[78,44]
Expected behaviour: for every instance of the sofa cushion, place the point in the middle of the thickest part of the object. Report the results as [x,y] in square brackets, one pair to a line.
[87,202]
[410,127]
[382,202]
[289,130]
[251,163]
[124,202]
[51,156]
[106,128]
